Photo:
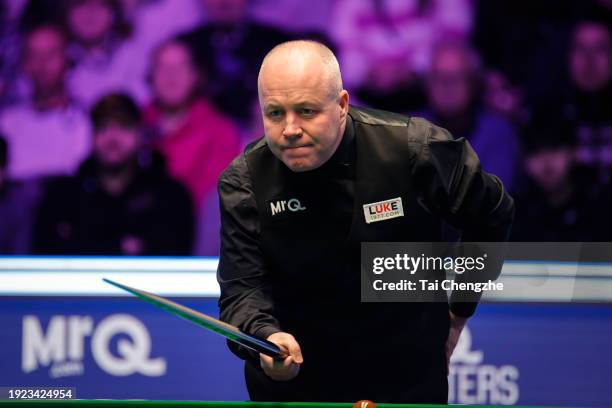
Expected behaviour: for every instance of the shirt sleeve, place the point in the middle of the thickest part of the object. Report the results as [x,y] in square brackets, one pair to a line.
[453,186]
[245,300]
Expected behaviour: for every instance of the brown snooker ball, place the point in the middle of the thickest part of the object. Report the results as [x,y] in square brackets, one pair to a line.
[364,404]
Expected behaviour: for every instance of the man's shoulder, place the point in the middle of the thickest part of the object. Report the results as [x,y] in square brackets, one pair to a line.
[417,129]
[237,172]
[370,116]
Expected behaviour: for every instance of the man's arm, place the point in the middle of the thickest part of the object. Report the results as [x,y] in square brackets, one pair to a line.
[453,186]
[245,299]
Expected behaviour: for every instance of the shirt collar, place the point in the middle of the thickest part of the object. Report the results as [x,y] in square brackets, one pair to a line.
[343,153]
[343,158]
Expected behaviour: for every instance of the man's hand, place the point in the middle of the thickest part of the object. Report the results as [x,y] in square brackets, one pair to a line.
[287,369]
[457,324]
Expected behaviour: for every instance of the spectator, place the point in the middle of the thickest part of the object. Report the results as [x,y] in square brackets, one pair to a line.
[296,16]
[596,10]
[10,46]
[121,202]
[385,46]
[453,89]
[230,48]
[560,201]
[197,141]
[17,201]
[154,21]
[112,53]
[523,43]
[589,100]
[23,16]
[103,62]
[48,134]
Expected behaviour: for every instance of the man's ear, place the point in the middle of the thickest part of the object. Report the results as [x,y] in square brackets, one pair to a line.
[344,101]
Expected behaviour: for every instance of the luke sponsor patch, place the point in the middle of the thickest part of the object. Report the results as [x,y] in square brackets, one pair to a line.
[383,210]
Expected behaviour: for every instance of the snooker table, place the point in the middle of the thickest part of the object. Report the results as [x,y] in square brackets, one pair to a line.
[204,404]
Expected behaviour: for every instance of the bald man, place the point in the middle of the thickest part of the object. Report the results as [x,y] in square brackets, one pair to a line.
[292,225]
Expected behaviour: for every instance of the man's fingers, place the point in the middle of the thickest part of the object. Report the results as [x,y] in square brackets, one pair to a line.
[292,346]
[288,343]
[280,370]
[287,368]
[296,352]
[267,360]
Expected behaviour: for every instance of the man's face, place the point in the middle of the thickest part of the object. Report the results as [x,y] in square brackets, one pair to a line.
[116,145]
[225,11]
[591,57]
[45,59]
[550,168]
[449,82]
[174,76]
[303,123]
[91,20]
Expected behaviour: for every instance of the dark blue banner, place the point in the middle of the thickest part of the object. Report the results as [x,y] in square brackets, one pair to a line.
[115,348]
[123,348]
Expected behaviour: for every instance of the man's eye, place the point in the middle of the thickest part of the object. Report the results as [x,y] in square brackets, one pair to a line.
[307,112]
[273,114]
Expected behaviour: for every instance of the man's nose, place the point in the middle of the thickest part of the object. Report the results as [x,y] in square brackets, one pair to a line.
[292,129]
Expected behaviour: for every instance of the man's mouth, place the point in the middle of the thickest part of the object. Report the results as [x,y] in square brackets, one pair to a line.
[295,147]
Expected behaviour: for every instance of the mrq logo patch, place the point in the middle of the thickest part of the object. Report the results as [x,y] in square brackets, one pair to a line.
[61,347]
[472,381]
[280,206]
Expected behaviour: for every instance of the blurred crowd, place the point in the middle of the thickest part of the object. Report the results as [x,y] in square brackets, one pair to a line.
[117,116]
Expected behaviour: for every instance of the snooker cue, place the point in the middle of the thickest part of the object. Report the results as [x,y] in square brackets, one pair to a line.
[224,329]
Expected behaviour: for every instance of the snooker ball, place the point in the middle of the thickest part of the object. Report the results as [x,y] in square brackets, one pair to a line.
[364,404]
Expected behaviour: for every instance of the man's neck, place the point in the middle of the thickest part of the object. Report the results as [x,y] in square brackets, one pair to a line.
[341,138]
[172,118]
[116,182]
[343,128]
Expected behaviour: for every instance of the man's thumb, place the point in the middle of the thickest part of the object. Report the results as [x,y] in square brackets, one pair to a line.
[296,352]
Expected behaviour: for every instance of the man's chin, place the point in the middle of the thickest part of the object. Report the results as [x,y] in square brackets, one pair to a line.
[300,166]
[114,166]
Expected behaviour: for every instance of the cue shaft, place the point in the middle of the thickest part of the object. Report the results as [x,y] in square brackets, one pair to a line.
[224,329]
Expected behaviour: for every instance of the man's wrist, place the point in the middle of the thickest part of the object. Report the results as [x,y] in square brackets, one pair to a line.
[458,321]
[266,331]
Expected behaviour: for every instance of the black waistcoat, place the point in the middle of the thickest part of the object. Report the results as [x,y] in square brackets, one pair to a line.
[312,250]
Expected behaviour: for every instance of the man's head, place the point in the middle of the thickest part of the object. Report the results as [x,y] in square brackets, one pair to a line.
[91,21]
[590,58]
[452,79]
[549,146]
[174,75]
[303,104]
[44,58]
[225,12]
[550,167]
[116,121]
